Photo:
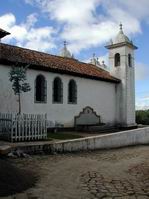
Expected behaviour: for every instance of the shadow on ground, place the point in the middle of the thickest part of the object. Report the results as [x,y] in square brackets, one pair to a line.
[14,180]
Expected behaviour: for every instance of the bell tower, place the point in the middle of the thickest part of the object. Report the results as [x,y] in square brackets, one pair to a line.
[121,60]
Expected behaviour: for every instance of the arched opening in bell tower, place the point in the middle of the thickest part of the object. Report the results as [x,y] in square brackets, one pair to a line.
[117,59]
[129,60]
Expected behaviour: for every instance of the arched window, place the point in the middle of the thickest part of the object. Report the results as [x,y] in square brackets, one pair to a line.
[117,59]
[57,90]
[129,60]
[40,89]
[72,92]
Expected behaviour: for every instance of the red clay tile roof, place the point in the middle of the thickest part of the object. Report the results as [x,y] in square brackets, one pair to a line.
[3,33]
[42,61]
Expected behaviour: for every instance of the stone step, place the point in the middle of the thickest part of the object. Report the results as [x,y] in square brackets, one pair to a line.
[5,149]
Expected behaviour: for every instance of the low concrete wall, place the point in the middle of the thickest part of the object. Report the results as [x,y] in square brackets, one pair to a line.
[114,140]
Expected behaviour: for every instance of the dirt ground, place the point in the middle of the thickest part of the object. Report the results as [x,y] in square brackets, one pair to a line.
[10,175]
[118,173]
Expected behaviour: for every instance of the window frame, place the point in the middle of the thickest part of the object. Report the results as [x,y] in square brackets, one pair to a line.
[129,60]
[117,60]
[44,101]
[75,95]
[61,91]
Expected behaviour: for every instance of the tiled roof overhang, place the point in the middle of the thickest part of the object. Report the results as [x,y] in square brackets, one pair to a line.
[10,55]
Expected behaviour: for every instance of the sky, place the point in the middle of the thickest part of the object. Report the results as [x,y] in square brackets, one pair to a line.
[86,25]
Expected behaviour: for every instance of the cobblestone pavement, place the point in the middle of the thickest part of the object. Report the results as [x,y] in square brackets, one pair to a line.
[100,186]
[119,173]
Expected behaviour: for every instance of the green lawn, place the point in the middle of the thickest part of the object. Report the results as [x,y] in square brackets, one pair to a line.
[63,136]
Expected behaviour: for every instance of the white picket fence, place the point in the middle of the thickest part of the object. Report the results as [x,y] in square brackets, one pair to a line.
[25,127]
[5,125]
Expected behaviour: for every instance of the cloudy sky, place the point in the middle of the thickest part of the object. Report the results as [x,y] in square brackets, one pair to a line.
[87,25]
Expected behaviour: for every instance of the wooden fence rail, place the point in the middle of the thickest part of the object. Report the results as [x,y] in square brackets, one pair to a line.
[24,127]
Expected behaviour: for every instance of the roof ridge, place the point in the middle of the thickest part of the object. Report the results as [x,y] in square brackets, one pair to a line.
[63,58]
[40,52]
[44,61]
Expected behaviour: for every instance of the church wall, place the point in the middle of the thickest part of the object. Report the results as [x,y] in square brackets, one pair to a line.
[99,95]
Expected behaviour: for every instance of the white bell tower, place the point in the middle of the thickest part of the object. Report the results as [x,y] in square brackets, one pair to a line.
[121,60]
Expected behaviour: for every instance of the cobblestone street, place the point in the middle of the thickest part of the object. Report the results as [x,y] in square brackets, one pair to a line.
[99,186]
[119,173]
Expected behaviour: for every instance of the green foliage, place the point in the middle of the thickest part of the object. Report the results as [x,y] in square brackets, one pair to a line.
[142,117]
[17,76]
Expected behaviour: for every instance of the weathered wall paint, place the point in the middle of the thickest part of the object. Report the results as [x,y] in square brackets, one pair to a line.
[99,95]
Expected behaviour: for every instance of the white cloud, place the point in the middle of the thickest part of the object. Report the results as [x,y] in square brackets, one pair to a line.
[81,23]
[138,10]
[104,58]
[88,35]
[26,34]
[141,71]
[7,20]
[84,27]
[130,23]
[73,12]
[142,103]
[100,58]
[31,20]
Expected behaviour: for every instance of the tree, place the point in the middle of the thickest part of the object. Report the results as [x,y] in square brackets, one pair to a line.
[142,117]
[17,76]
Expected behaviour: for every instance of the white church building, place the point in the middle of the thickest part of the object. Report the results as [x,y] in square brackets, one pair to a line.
[62,86]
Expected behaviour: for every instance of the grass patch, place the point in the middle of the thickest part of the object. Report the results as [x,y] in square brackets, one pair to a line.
[63,136]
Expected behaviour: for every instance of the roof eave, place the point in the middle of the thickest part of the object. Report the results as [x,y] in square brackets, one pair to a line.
[60,71]
[111,46]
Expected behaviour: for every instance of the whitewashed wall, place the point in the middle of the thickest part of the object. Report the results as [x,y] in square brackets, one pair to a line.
[99,95]
[126,74]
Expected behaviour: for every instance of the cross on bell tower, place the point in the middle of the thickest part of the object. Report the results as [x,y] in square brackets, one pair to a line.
[65,43]
[64,51]
[121,26]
